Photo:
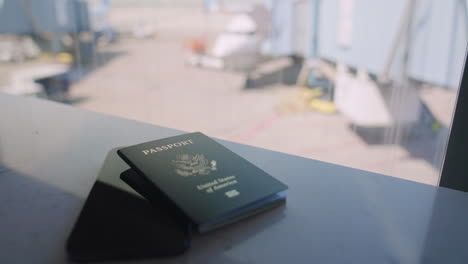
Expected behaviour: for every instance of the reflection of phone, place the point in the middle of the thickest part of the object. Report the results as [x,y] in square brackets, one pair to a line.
[118,223]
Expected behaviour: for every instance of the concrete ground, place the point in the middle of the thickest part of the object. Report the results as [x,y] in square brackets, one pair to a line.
[147,80]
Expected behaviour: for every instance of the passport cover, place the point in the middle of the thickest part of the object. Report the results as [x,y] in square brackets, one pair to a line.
[209,184]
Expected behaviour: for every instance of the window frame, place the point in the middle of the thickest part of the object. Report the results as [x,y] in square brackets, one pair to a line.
[454,174]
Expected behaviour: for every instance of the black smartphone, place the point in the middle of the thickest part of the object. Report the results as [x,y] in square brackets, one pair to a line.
[117,223]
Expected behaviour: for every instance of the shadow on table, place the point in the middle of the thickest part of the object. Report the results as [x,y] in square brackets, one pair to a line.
[36,218]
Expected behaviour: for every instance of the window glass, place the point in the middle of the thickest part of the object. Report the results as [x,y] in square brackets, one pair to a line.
[362,83]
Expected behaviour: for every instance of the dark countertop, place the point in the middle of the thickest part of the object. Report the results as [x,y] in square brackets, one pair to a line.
[50,155]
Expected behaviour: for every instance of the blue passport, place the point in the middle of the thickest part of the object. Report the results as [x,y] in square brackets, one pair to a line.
[202,180]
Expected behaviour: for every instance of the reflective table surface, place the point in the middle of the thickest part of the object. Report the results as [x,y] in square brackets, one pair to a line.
[50,156]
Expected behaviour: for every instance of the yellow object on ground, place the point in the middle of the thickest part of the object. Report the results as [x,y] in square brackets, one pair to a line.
[310,93]
[307,98]
[322,106]
[436,126]
[62,57]
[65,57]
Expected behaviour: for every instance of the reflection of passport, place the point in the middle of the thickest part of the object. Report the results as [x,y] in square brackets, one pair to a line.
[200,180]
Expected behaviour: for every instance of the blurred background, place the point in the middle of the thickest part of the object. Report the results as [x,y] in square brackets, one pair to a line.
[362,83]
